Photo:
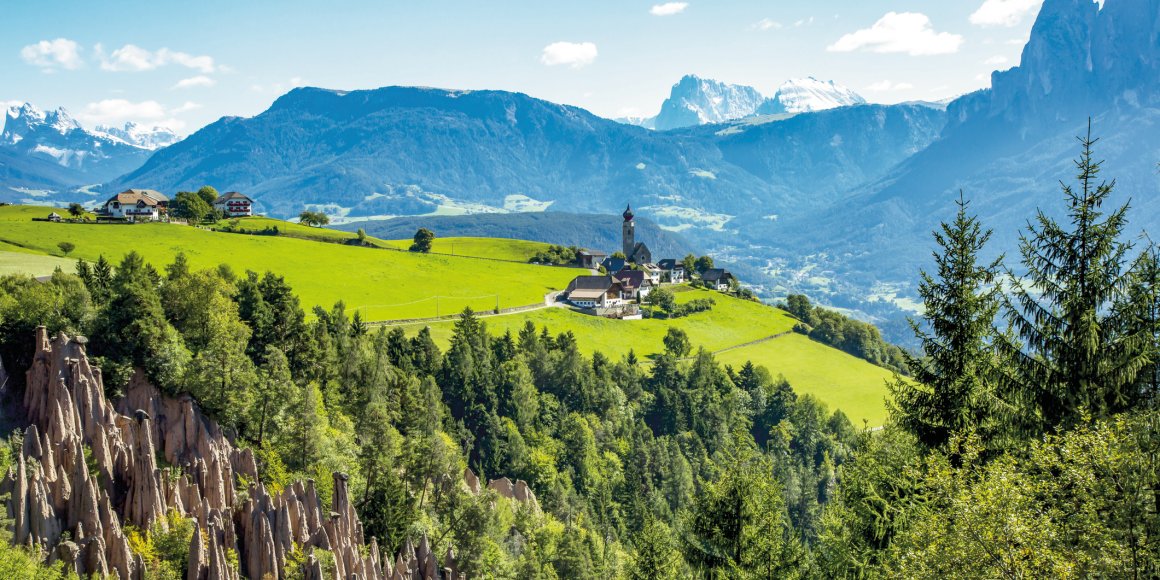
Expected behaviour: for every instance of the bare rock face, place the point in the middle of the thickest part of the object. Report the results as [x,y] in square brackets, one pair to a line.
[53,489]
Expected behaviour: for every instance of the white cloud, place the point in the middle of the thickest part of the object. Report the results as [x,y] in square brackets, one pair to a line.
[998,59]
[197,81]
[133,58]
[151,113]
[900,32]
[50,55]
[804,22]
[668,8]
[1004,12]
[765,24]
[574,54]
[887,86]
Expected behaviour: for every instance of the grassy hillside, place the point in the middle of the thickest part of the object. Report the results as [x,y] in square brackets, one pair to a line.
[840,380]
[495,248]
[499,249]
[381,284]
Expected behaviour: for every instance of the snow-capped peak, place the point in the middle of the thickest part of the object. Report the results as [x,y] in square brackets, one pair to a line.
[697,101]
[808,95]
[22,120]
[138,136]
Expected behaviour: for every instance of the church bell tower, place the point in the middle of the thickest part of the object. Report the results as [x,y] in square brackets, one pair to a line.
[628,233]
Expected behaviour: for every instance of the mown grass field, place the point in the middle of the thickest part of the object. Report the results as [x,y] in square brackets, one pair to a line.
[840,380]
[494,248]
[380,284]
[18,262]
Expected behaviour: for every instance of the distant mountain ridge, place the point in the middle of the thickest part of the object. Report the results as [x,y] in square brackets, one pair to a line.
[408,151]
[696,101]
[51,150]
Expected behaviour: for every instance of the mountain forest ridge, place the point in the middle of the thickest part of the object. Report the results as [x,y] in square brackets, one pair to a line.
[835,203]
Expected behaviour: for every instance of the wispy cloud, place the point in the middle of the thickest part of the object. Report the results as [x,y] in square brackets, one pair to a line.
[1004,12]
[120,111]
[668,8]
[888,86]
[195,82]
[804,22]
[765,24]
[998,59]
[573,54]
[133,58]
[900,32]
[51,55]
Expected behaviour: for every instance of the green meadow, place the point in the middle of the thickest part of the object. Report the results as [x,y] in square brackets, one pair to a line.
[834,377]
[380,284]
[494,248]
[841,380]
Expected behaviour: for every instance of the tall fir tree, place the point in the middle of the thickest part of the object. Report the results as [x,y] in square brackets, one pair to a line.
[953,386]
[1070,357]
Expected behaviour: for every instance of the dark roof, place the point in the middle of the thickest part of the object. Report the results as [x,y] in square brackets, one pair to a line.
[613,264]
[590,283]
[715,274]
[231,195]
[670,264]
[627,213]
[632,278]
[593,253]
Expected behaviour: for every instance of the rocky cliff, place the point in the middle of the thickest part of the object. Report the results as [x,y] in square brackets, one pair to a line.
[88,468]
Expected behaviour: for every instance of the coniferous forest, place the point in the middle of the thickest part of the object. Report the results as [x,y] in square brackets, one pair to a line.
[1022,441]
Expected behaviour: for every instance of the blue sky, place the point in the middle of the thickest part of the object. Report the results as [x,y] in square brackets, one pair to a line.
[187,64]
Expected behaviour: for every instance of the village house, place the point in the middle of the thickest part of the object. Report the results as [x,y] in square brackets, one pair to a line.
[613,264]
[234,204]
[718,279]
[591,259]
[136,204]
[672,271]
[54,217]
[635,284]
[594,292]
[653,273]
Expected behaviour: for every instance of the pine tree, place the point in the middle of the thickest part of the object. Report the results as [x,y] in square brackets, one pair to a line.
[1075,361]
[953,383]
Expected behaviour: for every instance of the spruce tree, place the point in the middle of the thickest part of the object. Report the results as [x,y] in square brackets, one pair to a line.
[1076,360]
[1142,304]
[953,383]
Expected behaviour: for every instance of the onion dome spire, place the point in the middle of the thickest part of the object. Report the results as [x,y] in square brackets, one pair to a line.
[628,213]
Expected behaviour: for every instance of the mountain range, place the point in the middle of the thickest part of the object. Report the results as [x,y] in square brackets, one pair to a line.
[45,152]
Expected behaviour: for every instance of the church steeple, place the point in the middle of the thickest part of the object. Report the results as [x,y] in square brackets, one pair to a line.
[628,234]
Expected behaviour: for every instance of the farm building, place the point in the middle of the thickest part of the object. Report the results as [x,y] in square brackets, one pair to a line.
[136,204]
[234,204]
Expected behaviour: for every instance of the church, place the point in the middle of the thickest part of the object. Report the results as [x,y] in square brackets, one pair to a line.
[634,252]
